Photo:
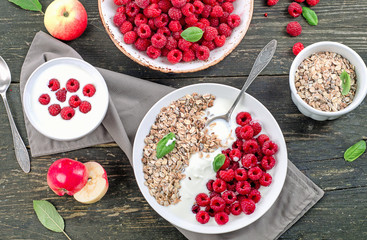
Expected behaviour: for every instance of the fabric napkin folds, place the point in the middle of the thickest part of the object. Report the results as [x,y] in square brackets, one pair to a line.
[130,99]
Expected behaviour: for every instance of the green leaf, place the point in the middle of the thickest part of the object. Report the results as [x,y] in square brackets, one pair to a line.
[218,162]
[355,151]
[344,76]
[31,5]
[310,16]
[192,34]
[48,216]
[166,145]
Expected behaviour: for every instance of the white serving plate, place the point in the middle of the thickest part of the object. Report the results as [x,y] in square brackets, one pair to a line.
[243,8]
[54,126]
[258,112]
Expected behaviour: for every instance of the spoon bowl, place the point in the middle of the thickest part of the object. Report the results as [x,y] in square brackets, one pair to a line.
[5,77]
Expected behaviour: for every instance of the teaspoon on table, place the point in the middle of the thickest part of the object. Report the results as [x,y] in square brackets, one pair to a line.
[21,152]
[261,62]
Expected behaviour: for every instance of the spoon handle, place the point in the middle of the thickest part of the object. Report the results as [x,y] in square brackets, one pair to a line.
[261,62]
[21,152]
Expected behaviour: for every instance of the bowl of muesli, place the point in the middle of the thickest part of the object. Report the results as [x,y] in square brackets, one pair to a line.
[209,179]
[327,80]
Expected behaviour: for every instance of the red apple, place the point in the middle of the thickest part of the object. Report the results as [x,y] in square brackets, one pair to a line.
[96,186]
[66,19]
[67,176]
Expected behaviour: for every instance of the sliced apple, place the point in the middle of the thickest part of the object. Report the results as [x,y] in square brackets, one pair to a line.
[96,186]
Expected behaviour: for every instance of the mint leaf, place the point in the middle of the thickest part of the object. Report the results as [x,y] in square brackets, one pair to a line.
[344,76]
[192,34]
[166,145]
[355,151]
[310,16]
[31,5]
[218,162]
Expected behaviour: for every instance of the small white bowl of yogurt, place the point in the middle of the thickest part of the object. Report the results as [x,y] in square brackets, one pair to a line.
[63,69]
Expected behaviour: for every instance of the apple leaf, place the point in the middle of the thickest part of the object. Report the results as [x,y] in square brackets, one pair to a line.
[31,5]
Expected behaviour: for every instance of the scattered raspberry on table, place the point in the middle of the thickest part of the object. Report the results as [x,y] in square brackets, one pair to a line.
[297,48]
[294,9]
[294,29]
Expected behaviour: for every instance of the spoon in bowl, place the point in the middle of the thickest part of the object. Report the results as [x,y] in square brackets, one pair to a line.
[21,152]
[261,62]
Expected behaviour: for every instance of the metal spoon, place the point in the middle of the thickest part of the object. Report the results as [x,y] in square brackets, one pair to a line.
[21,152]
[261,62]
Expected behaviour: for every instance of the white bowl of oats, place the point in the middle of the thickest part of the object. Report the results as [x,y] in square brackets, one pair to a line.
[327,80]
[171,184]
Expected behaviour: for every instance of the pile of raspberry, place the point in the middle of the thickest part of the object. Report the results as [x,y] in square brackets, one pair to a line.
[235,189]
[155,26]
[72,86]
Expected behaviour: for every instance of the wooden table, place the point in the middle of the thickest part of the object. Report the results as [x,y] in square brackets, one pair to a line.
[316,148]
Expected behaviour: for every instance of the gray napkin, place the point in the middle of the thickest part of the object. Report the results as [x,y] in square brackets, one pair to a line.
[130,99]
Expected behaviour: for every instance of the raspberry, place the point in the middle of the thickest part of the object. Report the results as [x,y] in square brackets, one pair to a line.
[174,26]
[44,99]
[236,208]
[61,95]
[228,7]
[85,107]
[188,9]
[217,204]
[226,175]
[171,43]
[237,132]
[152,11]
[249,160]
[140,19]
[221,218]
[240,174]
[121,9]
[272,2]
[268,162]
[299,1]
[225,164]
[250,146]
[214,194]
[294,9]
[202,217]
[174,13]
[164,5]
[72,85]
[132,9]
[265,180]
[217,11]
[118,2]
[243,187]
[256,126]
[219,185]
[226,151]
[269,148]
[231,186]
[119,18]
[235,155]
[262,138]
[89,90]
[191,20]
[297,48]
[208,44]
[130,37]
[161,20]
[206,11]
[74,101]
[184,45]
[312,3]
[233,20]
[164,52]
[226,210]
[233,165]
[165,31]
[54,84]
[188,56]
[205,21]
[210,33]
[237,144]
[255,184]
[195,209]
[174,56]
[158,40]
[210,211]
[229,197]
[254,195]
[255,173]
[220,40]
[214,21]
[142,44]
[224,29]
[202,199]
[294,29]
[144,31]
[126,27]
[209,185]
[54,109]
[67,113]
[210,2]
[142,3]
[246,132]
[198,7]
[243,118]
[153,52]
[202,53]
[178,3]
[248,206]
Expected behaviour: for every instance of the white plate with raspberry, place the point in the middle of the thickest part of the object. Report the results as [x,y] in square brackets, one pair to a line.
[233,32]
[183,216]
[65,99]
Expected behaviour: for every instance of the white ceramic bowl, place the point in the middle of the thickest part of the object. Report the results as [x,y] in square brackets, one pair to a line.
[258,112]
[346,52]
[54,126]
[243,8]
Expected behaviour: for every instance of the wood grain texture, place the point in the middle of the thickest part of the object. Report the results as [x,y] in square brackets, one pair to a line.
[316,148]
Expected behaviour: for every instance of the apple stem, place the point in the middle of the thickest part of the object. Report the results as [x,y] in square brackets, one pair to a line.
[66,235]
